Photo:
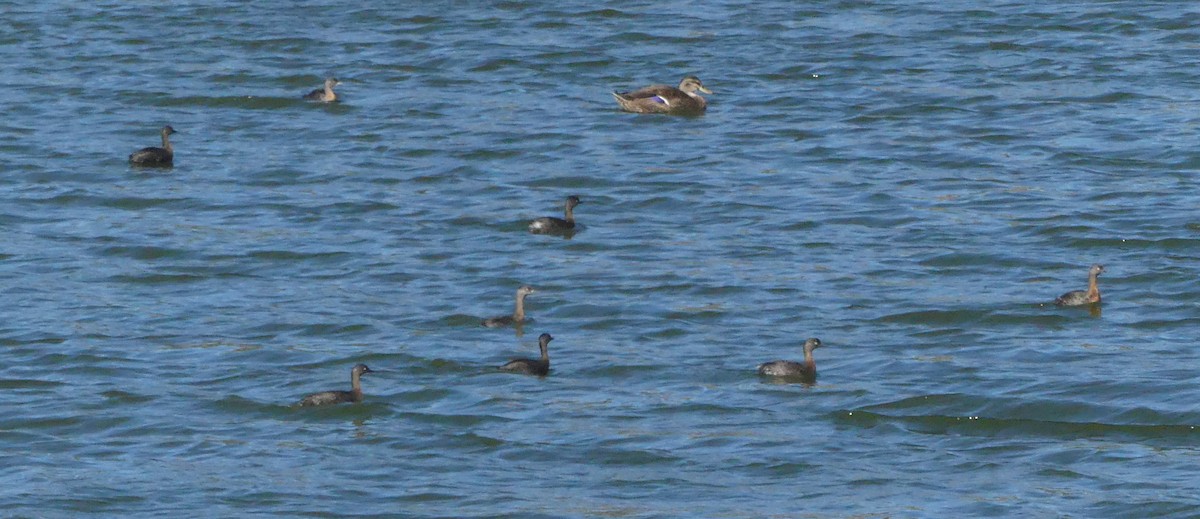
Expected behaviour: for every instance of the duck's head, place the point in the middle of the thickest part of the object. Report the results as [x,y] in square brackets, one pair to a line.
[691,84]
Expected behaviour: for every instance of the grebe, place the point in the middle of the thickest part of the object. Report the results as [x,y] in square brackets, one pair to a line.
[552,225]
[336,397]
[324,95]
[539,367]
[518,315]
[1083,297]
[806,370]
[164,156]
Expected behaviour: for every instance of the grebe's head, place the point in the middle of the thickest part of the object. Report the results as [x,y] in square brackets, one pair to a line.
[1096,269]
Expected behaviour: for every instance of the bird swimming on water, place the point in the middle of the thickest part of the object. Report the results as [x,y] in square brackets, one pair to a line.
[664,99]
[324,95]
[518,315]
[553,225]
[539,367]
[806,371]
[336,397]
[1084,297]
[152,156]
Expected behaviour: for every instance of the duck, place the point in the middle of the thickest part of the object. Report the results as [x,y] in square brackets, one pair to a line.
[1084,297]
[337,397]
[552,225]
[152,156]
[806,371]
[518,315]
[539,367]
[663,99]
[324,95]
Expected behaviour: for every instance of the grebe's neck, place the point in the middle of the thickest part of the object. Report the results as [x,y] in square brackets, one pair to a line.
[356,384]
[519,312]
[1093,291]
[570,213]
[166,139]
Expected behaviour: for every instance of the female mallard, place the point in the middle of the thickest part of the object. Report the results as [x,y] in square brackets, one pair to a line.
[663,99]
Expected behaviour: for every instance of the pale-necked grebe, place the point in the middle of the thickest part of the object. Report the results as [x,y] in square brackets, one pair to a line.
[1083,297]
[164,156]
[663,99]
[539,367]
[325,95]
[518,315]
[552,225]
[806,370]
[336,397]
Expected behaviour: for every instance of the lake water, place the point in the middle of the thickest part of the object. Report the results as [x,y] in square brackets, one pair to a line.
[911,182]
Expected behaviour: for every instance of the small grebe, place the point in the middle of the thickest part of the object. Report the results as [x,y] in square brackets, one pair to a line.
[539,367]
[164,156]
[324,95]
[518,315]
[806,370]
[336,397]
[1083,297]
[552,225]
[663,99]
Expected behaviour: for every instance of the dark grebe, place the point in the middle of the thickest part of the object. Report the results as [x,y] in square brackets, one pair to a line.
[324,95]
[336,397]
[552,225]
[518,315]
[164,156]
[1083,297]
[786,368]
[663,99]
[532,366]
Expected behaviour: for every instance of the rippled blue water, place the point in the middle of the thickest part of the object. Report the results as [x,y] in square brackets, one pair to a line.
[909,181]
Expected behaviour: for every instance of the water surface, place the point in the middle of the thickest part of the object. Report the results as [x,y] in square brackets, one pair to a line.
[910,182]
